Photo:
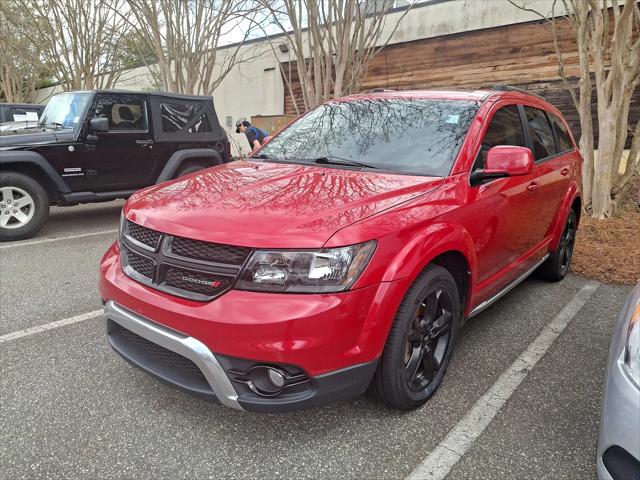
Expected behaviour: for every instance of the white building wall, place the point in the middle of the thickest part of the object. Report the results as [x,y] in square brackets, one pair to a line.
[256,87]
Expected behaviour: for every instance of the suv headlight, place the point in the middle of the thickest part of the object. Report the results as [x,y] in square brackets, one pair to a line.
[632,349]
[312,271]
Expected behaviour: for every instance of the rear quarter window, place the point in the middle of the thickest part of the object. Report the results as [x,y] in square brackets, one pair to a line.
[184,117]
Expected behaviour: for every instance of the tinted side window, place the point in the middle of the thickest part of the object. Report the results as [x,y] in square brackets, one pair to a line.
[541,134]
[505,129]
[178,117]
[123,113]
[564,141]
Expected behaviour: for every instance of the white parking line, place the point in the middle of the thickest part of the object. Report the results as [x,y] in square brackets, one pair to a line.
[50,326]
[438,464]
[47,240]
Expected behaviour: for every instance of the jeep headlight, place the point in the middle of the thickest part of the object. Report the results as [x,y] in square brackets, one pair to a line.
[312,271]
[632,348]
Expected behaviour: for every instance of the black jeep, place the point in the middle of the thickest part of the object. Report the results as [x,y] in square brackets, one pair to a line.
[94,146]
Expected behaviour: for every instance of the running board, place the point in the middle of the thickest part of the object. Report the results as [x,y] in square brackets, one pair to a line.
[506,289]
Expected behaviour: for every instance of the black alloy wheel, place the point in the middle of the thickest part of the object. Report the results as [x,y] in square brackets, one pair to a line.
[556,267]
[420,341]
[428,340]
[567,242]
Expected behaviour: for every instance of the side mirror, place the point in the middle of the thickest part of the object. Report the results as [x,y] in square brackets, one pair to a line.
[99,125]
[504,161]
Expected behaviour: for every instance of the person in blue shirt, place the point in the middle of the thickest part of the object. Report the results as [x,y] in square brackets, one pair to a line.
[255,135]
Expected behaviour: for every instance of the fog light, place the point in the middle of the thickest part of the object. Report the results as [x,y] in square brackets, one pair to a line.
[266,381]
[276,378]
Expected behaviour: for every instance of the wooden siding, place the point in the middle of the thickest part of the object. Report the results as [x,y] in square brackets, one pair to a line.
[522,55]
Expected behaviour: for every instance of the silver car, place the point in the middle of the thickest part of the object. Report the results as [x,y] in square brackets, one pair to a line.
[619,442]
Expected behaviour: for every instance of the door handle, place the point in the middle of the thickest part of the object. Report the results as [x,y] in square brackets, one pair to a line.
[564,171]
[533,186]
[144,143]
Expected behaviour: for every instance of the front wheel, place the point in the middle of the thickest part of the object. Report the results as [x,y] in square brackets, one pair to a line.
[420,342]
[555,268]
[24,206]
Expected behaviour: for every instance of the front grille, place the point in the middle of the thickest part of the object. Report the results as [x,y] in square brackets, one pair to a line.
[140,264]
[209,252]
[204,283]
[188,268]
[144,235]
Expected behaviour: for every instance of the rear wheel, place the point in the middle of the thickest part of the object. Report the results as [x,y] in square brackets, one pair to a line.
[190,168]
[556,267]
[24,206]
[420,342]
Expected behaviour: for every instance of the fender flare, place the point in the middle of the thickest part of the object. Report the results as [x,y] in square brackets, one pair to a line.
[435,240]
[179,157]
[557,225]
[34,158]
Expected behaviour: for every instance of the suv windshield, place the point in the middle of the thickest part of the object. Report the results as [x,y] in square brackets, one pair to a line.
[65,110]
[400,135]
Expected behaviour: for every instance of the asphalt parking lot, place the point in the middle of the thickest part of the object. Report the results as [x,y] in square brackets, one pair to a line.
[71,408]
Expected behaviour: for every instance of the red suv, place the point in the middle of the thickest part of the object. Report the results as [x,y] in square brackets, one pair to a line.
[348,252]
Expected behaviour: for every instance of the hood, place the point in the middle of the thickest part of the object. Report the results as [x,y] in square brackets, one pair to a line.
[270,205]
[27,139]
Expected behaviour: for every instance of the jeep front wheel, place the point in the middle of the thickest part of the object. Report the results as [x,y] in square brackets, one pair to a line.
[24,206]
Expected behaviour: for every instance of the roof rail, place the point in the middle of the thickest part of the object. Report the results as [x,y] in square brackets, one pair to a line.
[500,87]
[379,90]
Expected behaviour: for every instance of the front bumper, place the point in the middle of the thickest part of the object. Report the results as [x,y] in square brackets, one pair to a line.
[332,341]
[188,364]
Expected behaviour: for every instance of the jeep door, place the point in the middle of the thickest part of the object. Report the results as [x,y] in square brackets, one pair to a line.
[122,158]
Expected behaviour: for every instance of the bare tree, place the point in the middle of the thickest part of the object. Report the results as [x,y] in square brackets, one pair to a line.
[185,36]
[608,38]
[80,40]
[333,41]
[20,66]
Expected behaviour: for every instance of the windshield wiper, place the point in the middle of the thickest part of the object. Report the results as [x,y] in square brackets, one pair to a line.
[55,125]
[333,160]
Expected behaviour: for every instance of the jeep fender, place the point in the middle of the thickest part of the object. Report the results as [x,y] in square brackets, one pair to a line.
[9,157]
[179,157]
[557,226]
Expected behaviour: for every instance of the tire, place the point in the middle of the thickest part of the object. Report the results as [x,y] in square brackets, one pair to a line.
[555,268]
[413,338]
[191,168]
[26,220]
